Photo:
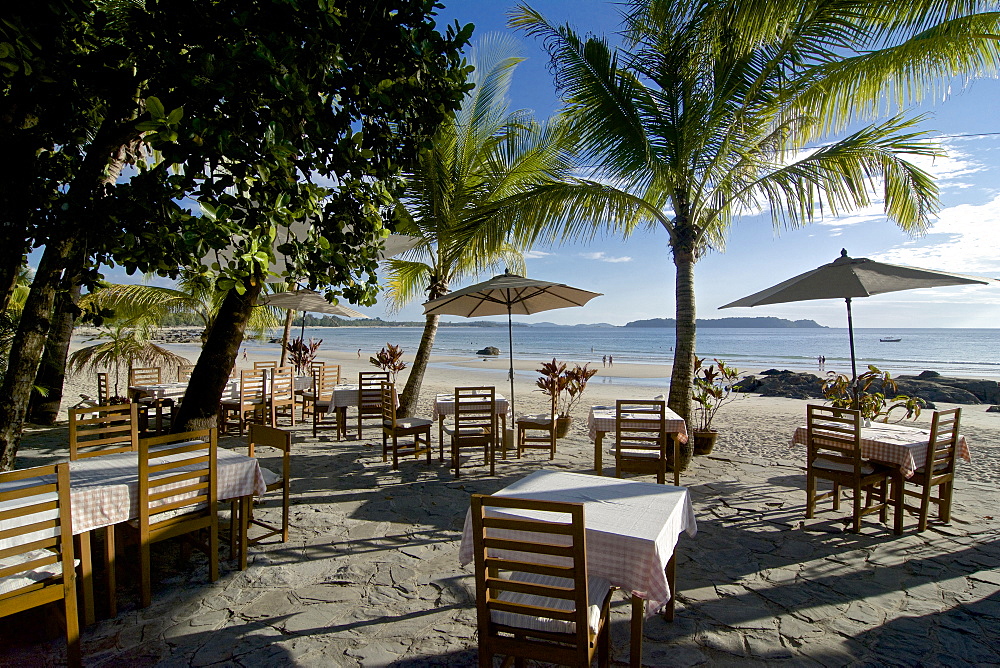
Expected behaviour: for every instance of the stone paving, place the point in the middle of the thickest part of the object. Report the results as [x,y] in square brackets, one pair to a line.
[370,577]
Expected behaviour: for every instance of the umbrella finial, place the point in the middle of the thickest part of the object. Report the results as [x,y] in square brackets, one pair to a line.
[843,252]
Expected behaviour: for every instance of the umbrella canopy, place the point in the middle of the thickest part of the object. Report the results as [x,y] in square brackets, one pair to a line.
[307,300]
[847,278]
[508,294]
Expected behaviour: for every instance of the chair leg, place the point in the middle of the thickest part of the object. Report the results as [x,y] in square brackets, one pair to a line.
[944,508]
[856,520]
[810,495]
[73,655]
[836,496]
[145,588]
[213,548]
[110,569]
[925,502]
[883,514]
[395,450]
[385,445]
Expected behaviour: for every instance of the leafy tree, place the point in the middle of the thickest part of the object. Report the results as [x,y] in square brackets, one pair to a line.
[710,110]
[479,158]
[285,122]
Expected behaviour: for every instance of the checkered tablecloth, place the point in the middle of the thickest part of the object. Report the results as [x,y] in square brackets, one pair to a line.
[104,490]
[898,444]
[444,404]
[602,419]
[632,527]
[176,391]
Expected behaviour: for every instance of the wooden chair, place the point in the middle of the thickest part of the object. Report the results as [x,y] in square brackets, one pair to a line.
[397,427]
[170,466]
[533,597]
[281,394]
[834,454]
[305,397]
[541,422]
[103,430]
[264,365]
[103,388]
[475,424]
[252,400]
[641,447]
[271,437]
[184,372]
[938,470]
[322,402]
[36,556]
[370,396]
[145,376]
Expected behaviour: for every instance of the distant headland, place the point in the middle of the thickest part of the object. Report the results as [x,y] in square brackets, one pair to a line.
[748,323]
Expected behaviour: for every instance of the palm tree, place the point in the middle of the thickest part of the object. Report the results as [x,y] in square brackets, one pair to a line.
[708,111]
[148,305]
[479,158]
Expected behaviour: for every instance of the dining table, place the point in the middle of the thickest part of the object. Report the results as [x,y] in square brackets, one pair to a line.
[444,405]
[632,530]
[903,447]
[603,419]
[104,491]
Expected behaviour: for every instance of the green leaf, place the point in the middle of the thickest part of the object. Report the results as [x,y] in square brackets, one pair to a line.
[175,116]
[155,107]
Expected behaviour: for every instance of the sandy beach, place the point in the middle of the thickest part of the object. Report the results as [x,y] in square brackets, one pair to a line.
[370,575]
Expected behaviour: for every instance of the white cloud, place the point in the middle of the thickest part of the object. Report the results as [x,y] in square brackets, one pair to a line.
[536,255]
[604,257]
[964,239]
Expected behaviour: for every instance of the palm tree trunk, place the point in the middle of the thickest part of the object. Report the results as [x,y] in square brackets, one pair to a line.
[52,371]
[26,354]
[682,374]
[210,375]
[411,392]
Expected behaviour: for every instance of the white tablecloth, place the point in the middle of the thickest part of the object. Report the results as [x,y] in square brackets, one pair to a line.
[632,527]
[444,404]
[903,445]
[104,490]
[602,419]
[176,391]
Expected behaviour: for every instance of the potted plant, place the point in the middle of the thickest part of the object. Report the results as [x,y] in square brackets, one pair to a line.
[302,354]
[389,359]
[714,387]
[564,386]
[839,392]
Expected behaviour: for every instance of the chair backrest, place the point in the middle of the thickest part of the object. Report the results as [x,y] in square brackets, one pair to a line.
[370,391]
[333,371]
[835,435]
[149,375]
[177,474]
[324,383]
[942,446]
[389,405]
[103,388]
[517,553]
[264,365]
[253,386]
[37,539]
[271,437]
[282,387]
[640,427]
[475,411]
[103,430]
[184,372]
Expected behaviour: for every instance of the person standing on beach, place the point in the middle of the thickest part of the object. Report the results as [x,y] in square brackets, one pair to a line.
[611,360]
[359,353]
[244,354]
[604,360]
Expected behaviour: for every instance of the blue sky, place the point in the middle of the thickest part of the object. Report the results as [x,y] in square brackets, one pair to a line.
[637,275]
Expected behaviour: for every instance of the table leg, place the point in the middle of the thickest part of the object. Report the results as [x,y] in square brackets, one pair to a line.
[599,453]
[677,468]
[245,507]
[635,643]
[668,614]
[86,577]
[503,435]
[898,499]
[342,422]
[441,438]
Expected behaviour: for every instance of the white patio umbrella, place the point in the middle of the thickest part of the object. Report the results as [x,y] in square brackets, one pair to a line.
[305,301]
[512,295]
[846,278]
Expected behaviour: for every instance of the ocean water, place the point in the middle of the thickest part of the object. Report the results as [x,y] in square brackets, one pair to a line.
[964,352]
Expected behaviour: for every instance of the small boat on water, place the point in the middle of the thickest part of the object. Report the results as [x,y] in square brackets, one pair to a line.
[890,339]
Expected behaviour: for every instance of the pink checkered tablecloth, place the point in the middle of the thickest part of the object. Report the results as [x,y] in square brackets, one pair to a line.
[444,404]
[898,444]
[104,490]
[602,419]
[632,527]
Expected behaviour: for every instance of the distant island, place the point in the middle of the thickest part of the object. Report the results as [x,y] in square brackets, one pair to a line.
[747,323]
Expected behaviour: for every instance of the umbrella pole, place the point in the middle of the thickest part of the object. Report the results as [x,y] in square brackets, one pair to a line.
[854,364]
[510,344]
